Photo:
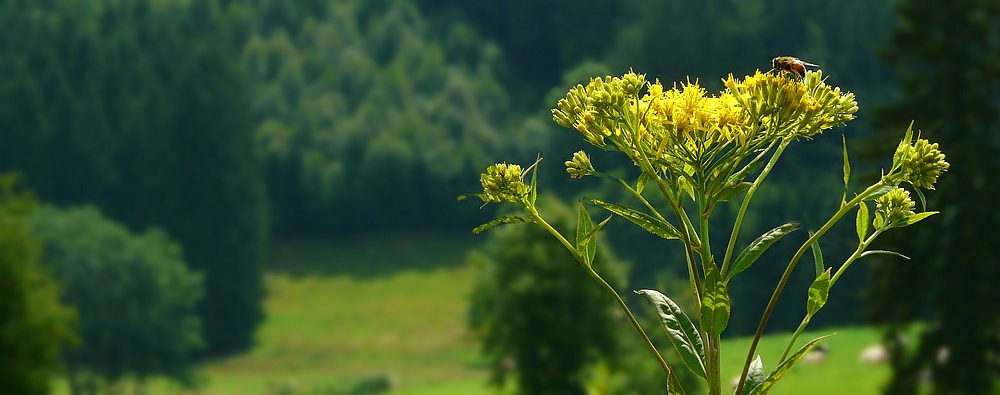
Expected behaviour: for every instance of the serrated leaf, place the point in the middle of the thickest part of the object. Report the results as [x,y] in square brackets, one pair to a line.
[882,252]
[819,291]
[780,371]
[681,332]
[757,247]
[861,222]
[640,184]
[847,169]
[755,376]
[507,219]
[817,256]
[733,191]
[648,222]
[584,225]
[715,305]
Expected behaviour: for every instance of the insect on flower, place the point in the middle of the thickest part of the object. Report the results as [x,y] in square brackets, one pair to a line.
[790,64]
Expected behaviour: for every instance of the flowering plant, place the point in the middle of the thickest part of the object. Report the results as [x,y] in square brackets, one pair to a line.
[708,150]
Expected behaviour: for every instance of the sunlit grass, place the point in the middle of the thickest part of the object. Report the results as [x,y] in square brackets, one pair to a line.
[339,311]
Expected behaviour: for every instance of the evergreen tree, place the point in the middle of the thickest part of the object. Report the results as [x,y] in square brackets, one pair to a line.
[946,56]
[140,108]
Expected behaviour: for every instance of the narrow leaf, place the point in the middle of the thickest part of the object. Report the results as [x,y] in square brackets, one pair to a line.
[819,291]
[508,219]
[862,221]
[533,193]
[912,219]
[641,183]
[755,376]
[757,247]
[817,256]
[923,200]
[648,222]
[584,226]
[847,170]
[715,305]
[733,191]
[780,371]
[680,330]
[673,385]
[879,192]
[882,252]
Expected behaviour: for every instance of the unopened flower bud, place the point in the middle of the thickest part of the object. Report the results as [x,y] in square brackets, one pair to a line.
[894,205]
[920,163]
[503,183]
[580,166]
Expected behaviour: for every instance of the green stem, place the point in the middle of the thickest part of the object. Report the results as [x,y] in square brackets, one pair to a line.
[843,267]
[607,287]
[746,204]
[844,209]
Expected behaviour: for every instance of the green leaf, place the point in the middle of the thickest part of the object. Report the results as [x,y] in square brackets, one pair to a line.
[861,222]
[819,291]
[912,219]
[882,252]
[923,200]
[648,222]
[715,305]
[533,193]
[817,256]
[847,170]
[673,385]
[584,226]
[507,219]
[680,330]
[882,190]
[641,183]
[757,247]
[733,191]
[780,371]
[755,376]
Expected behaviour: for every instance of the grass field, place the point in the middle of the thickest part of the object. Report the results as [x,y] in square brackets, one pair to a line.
[339,311]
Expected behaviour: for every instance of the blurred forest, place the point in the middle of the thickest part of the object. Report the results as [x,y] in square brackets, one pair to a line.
[221,124]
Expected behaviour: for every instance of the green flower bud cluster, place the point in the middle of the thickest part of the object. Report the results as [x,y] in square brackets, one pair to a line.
[580,166]
[919,163]
[893,206]
[503,183]
[595,109]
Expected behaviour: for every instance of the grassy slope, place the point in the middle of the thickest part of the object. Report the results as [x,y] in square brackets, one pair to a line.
[339,310]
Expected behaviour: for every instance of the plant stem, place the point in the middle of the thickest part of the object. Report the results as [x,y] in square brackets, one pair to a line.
[844,209]
[746,203]
[607,287]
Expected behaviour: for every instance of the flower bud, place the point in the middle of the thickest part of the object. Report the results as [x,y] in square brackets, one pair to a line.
[894,205]
[503,183]
[920,164]
[580,166]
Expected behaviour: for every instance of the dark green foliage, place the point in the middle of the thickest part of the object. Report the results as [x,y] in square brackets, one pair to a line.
[136,298]
[139,107]
[543,320]
[949,65]
[33,323]
[368,118]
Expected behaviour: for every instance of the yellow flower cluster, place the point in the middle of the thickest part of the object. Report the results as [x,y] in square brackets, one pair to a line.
[503,183]
[685,129]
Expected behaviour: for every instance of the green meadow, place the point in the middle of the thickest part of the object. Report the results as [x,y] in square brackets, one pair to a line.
[342,311]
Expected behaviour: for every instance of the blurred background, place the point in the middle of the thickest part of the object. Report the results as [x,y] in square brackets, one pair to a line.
[258,196]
